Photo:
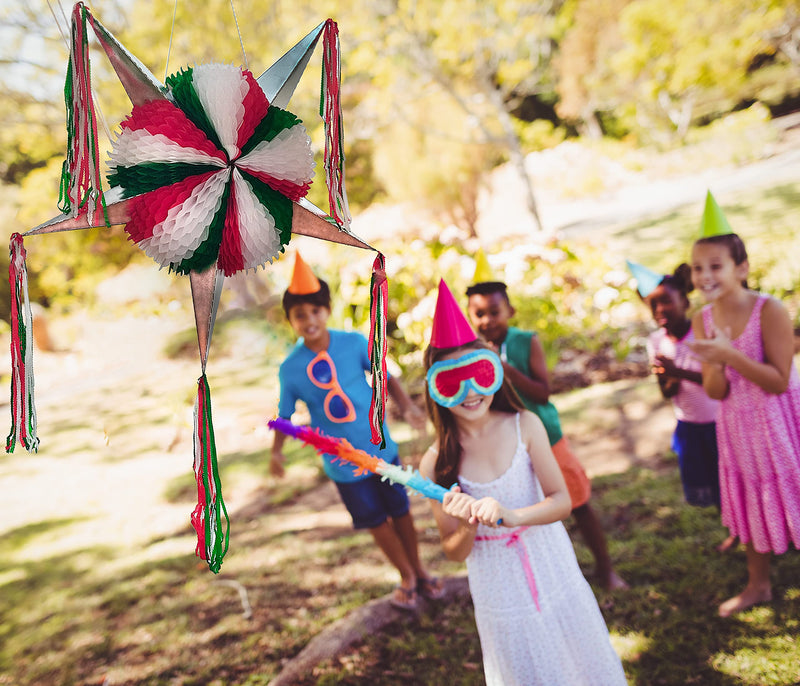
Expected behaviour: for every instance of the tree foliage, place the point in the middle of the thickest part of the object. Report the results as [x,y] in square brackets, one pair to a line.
[660,66]
[436,94]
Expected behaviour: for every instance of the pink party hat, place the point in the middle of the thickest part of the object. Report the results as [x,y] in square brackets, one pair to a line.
[450,326]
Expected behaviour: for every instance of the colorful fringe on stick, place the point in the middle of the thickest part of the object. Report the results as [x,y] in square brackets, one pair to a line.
[23,409]
[80,176]
[361,460]
[212,537]
[331,112]
[379,296]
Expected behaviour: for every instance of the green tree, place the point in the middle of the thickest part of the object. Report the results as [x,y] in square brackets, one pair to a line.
[483,57]
[590,35]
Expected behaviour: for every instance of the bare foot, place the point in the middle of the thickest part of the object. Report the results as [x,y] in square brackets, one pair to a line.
[747,598]
[728,544]
[613,582]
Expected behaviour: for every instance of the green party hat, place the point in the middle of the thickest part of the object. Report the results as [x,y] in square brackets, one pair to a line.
[714,222]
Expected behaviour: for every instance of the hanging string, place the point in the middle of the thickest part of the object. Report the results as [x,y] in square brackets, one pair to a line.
[171,34]
[331,113]
[60,24]
[241,42]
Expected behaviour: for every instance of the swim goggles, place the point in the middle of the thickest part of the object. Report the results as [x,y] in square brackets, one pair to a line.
[450,381]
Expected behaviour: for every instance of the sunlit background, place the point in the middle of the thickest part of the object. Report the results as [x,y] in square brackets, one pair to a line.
[561,137]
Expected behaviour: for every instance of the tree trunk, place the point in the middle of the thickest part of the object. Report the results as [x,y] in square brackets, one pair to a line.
[515,151]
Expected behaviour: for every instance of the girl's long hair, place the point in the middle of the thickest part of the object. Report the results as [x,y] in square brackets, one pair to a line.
[448,461]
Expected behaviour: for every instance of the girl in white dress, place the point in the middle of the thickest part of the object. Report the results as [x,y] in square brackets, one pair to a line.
[537,618]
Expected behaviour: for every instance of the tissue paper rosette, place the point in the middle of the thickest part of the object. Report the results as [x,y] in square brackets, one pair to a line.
[212,172]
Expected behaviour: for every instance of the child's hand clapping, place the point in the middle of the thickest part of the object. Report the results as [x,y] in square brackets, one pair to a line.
[714,350]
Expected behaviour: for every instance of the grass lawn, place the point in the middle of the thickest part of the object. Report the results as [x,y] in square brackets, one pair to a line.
[664,628]
[152,614]
[98,583]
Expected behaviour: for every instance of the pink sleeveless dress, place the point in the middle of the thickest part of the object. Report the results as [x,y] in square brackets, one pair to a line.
[758,435]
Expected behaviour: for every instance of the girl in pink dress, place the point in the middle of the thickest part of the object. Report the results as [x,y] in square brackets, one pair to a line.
[745,342]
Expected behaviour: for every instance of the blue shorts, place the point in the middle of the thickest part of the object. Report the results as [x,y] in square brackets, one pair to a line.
[696,447]
[371,501]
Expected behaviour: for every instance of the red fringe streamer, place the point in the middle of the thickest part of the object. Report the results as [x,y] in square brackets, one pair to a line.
[379,296]
[23,409]
[212,538]
[331,112]
[80,177]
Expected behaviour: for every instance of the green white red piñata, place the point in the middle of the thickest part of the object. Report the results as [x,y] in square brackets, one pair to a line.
[212,172]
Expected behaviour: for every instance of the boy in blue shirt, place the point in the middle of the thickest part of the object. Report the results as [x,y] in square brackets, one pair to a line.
[326,370]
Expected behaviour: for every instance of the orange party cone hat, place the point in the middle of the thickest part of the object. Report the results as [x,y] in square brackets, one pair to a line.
[303,280]
[450,326]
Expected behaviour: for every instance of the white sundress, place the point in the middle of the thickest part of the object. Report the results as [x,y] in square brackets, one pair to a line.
[537,617]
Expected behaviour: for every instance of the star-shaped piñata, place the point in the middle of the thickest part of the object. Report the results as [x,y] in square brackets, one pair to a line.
[208,176]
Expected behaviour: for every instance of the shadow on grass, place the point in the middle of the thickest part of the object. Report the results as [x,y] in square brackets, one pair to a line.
[665,627]
[101,613]
[42,611]
[21,536]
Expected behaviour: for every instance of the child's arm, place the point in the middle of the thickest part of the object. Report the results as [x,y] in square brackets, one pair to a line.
[411,413]
[668,385]
[666,366]
[715,383]
[535,387]
[456,531]
[277,458]
[772,375]
[556,504]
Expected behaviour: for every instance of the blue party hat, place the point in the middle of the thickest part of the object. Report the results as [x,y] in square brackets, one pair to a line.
[646,279]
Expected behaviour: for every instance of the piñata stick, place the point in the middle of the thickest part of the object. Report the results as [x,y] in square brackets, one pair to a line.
[363,461]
